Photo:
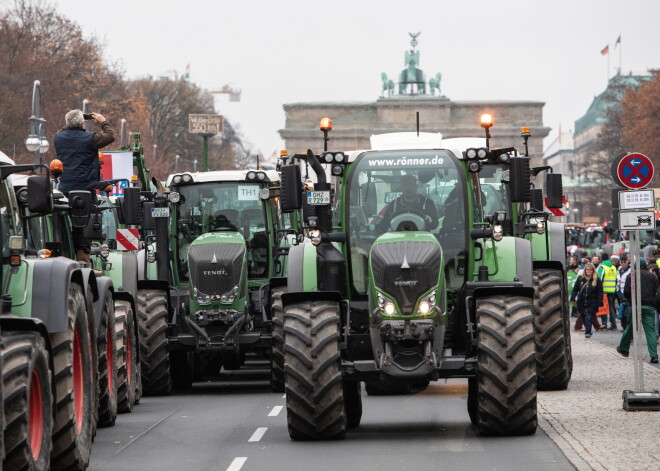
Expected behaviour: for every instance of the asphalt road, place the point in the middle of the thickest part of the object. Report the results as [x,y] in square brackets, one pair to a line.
[238,424]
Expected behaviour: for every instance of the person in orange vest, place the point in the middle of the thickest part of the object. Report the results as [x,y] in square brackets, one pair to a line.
[607,273]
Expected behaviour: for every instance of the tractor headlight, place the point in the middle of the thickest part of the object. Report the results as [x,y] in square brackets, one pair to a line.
[44,253]
[251,175]
[315,236]
[339,157]
[386,305]
[261,176]
[186,178]
[174,197]
[425,306]
[471,153]
[176,179]
[498,232]
[151,256]
[105,251]
[540,227]
[201,297]
[389,309]
[230,295]
[482,153]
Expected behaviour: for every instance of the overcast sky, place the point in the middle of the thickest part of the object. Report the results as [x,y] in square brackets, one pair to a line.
[286,51]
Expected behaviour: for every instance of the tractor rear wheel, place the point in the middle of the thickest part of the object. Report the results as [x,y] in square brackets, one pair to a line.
[154,356]
[126,356]
[353,403]
[506,390]
[28,402]
[75,387]
[277,355]
[552,333]
[107,348]
[312,365]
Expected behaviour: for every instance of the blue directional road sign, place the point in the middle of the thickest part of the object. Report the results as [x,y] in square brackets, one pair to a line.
[634,171]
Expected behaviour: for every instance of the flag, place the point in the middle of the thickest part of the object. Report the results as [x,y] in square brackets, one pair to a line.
[618,41]
[186,74]
[605,51]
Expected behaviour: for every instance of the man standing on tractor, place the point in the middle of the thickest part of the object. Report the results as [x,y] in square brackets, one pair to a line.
[411,201]
[78,151]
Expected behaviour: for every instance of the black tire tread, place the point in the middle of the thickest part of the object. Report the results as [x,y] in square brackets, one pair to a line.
[550,331]
[107,394]
[125,329]
[21,355]
[314,390]
[154,356]
[506,386]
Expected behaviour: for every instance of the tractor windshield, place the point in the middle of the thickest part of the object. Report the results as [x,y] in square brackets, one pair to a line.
[222,206]
[404,190]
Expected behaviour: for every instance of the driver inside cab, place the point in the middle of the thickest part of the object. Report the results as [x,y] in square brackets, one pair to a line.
[412,202]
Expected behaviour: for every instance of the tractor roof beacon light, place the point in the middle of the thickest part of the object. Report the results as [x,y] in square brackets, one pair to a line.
[524,133]
[326,127]
[56,167]
[487,123]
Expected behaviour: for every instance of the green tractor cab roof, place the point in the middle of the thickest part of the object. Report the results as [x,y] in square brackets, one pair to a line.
[223,176]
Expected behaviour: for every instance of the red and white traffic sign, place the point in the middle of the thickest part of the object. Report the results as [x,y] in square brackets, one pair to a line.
[557,211]
[127,239]
[634,171]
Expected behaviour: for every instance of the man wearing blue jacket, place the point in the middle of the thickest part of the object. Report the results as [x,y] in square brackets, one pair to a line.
[79,152]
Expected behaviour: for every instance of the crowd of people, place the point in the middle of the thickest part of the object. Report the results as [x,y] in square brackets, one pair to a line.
[600,294]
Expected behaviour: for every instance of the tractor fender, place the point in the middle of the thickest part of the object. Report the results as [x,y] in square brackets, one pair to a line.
[105,289]
[50,287]
[125,296]
[481,291]
[302,268]
[557,236]
[310,296]
[549,264]
[524,261]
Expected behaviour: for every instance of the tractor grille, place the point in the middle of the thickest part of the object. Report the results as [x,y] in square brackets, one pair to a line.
[220,277]
[406,284]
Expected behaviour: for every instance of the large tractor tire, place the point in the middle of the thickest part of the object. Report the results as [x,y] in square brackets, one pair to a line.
[126,356]
[154,356]
[75,388]
[107,352]
[353,403]
[28,402]
[506,389]
[552,331]
[277,355]
[312,363]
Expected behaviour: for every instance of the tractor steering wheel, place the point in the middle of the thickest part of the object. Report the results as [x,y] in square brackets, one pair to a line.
[408,220]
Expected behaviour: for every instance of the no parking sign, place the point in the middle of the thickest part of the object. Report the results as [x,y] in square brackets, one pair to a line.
[632,170]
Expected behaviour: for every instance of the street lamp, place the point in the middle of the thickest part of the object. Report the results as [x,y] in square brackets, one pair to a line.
[195,165]
[36,141]
[176,163]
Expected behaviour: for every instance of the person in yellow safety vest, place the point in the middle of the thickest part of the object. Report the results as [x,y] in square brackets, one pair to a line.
[607,273]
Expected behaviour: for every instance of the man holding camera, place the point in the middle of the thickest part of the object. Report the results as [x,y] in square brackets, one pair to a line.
[79,152]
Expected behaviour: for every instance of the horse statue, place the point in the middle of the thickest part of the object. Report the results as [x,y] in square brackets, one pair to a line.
[388,85]
[434,82]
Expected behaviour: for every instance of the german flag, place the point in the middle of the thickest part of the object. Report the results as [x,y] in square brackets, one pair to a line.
[605,50]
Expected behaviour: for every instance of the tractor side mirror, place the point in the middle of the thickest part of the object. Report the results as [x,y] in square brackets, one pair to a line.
[80,203]
[554,190]
[520,179]
[291,188]
[40,194]
[93,230]
[536,202]
[130,206]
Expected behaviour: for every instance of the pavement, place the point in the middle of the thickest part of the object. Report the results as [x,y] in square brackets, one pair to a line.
[587,421]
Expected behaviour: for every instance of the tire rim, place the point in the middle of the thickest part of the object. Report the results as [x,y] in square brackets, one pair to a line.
[109,359]
[78,389]
[36,414]
[129,359]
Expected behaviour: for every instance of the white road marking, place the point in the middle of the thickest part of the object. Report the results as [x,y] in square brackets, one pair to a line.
[237,464]
[256,436]
[275,411]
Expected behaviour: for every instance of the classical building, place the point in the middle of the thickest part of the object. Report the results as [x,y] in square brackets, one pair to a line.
[355,122]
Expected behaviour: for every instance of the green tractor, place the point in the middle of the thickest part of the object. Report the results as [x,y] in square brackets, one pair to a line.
[529,220]
[49,330]
[380,290]
[226,258]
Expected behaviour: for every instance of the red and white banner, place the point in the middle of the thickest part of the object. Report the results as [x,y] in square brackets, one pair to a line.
[116,165]
[127,239]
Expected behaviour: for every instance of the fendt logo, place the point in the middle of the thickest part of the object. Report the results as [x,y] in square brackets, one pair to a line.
[405,283]
[214,272]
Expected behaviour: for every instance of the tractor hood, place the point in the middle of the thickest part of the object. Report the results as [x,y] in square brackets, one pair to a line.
[405,266]
[216,262]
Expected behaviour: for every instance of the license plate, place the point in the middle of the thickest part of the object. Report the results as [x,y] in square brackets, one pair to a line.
[160,212]
[318,197]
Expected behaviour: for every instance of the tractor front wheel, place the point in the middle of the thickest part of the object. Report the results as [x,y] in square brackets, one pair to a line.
[312,363]
[154,356]
[506,389]
[126,356]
